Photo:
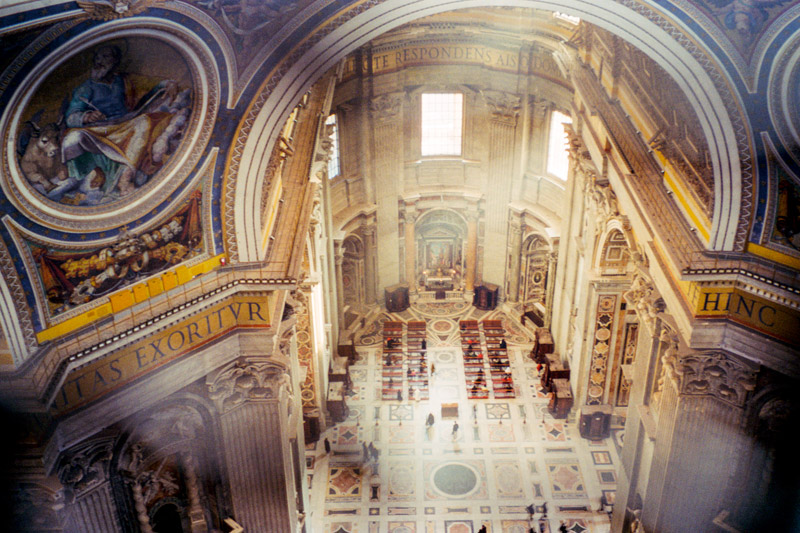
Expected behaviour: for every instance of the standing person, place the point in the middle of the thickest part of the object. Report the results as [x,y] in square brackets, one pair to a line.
[433,368]
[455,428]
[562,528]
[399,395]
[531,510]
[365,451]
[482,529]
[429,421]
[424,344]
[373,451]
[327,444]
[542,525]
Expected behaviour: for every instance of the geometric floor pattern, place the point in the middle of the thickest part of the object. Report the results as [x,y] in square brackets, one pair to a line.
[504,455]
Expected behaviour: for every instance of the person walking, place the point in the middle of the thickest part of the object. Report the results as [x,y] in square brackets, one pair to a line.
[455,429]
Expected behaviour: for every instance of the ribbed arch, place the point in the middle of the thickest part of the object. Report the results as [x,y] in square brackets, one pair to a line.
[651,38]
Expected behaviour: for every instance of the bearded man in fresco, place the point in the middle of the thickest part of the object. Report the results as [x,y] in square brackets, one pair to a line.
[115,140]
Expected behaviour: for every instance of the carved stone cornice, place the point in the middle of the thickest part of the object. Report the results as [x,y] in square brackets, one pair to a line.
[246,380]
[386,106]
[85,466]
[503,107]
[715,374]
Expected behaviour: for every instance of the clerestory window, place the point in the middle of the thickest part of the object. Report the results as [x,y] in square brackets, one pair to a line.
[442,119]
[557,151]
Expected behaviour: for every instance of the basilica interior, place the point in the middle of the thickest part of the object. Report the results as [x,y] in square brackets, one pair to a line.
[399,266]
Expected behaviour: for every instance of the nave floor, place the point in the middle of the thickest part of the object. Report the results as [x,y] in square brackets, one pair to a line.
[505,455]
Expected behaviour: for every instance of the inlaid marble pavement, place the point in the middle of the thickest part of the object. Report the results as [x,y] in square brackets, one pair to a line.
[506,453]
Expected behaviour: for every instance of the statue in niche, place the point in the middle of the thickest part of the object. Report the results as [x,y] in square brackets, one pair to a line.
[117,113]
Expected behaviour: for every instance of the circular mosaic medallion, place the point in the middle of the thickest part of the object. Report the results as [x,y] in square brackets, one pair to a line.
[445,357]
[102,130]
[455,479]
[442,326]
[367,341]
[602,334]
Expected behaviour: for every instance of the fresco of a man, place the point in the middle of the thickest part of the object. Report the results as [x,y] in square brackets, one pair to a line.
[113,138]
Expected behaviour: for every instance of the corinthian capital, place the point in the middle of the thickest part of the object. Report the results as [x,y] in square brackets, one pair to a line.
[504,107]
[86,466]
[715,374]
[246,380]
[386,106]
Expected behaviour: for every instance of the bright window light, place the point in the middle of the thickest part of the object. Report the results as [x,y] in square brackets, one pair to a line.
[333,162]
[442,116]
[557,151]
[568,18]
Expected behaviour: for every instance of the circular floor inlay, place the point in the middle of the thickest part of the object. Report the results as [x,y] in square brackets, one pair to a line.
[455,479]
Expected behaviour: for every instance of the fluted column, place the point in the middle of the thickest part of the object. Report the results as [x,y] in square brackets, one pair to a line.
[338,255]
[514,254]
[552,262]
[387,157]
[84,473]
[540,112]
[472,248]
[411,248]
[369,268]
[701,408]
[255,443]
[503,111]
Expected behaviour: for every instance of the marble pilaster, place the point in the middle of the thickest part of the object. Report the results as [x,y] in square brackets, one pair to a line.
[471,253]
[409,220]
[368,233]
[386,114]
[515,257]
[253,422]
[84,472]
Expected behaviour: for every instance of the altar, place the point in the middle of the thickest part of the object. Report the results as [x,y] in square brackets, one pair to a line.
[439,283]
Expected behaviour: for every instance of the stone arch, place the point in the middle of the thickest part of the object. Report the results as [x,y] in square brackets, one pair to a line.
[655,36]
[614,249]
[175,443]
[442,226]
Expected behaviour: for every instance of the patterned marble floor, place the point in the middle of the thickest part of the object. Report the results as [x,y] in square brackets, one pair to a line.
[505,454]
